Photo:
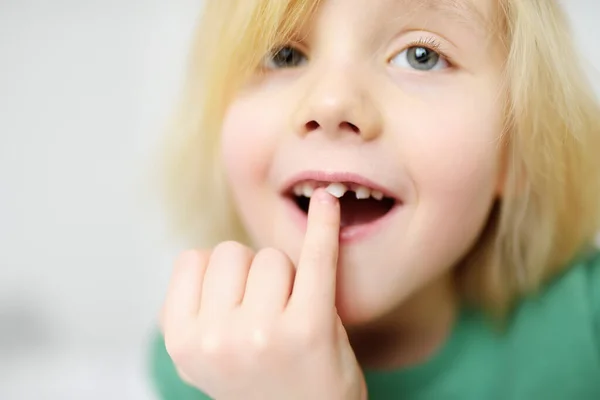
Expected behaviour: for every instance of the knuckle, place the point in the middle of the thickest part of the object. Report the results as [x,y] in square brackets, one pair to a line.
[217,350]
[231,247]
[213,346]
[271,255]
[222,353]
[259,341]
[194,345]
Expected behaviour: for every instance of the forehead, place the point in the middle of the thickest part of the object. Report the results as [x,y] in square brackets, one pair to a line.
[467,11]
[474,14]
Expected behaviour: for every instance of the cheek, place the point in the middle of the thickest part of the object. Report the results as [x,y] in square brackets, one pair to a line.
[453,156]
[248,143]
[245,149]
[455,149]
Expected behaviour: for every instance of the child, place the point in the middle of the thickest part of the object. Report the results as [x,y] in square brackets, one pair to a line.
[418,185]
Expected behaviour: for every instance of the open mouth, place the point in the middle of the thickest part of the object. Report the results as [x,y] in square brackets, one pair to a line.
[359,204]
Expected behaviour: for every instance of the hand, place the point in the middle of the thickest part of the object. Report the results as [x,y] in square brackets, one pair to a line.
[245,326]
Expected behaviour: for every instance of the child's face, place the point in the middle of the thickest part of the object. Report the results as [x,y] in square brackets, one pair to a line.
[368,99]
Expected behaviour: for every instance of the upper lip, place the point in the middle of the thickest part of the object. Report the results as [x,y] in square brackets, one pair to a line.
[338,177]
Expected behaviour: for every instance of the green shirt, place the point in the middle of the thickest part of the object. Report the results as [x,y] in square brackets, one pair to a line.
[549,350]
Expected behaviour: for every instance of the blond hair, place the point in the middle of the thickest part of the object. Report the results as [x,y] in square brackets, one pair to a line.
[550,208]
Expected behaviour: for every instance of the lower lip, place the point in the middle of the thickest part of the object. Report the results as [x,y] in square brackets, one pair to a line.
[348,234]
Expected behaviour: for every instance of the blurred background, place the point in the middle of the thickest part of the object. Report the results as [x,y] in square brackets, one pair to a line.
[85,91]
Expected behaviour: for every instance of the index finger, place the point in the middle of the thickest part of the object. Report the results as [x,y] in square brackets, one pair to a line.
[314,286]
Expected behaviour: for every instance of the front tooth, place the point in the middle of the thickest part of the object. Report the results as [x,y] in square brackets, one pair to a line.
[337,189]
[298,190]
[307,190]
[377,195]
[362,192]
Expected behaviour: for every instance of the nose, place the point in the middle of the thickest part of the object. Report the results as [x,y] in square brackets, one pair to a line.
[335,103]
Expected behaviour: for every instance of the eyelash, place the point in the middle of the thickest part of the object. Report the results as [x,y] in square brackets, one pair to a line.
[432,44]
[293,45]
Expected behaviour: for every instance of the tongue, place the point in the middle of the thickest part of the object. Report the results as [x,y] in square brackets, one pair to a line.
[359,212]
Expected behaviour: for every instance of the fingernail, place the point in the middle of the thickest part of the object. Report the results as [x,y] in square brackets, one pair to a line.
[323,197]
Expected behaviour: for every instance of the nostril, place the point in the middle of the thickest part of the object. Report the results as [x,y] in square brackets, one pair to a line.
[312,126]
[350,126]
[344,126]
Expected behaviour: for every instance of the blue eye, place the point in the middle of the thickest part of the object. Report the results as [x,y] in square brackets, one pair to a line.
[285,57]
[420,58]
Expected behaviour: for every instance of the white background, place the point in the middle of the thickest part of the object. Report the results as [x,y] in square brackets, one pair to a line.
[85,88]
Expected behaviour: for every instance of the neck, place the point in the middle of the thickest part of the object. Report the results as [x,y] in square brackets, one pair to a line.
[410,334]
